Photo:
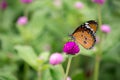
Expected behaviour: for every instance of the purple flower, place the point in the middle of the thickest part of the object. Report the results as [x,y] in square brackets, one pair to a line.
[55,59]
[105,28]
[3,4]
[79,5]
[71,48]
[101,2]
[26,1]
[22,20]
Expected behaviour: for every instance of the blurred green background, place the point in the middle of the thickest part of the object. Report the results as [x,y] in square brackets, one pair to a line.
[46,31]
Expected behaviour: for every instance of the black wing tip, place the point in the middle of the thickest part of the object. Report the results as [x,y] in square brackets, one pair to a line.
[93,35]
[92,21]
[93,44]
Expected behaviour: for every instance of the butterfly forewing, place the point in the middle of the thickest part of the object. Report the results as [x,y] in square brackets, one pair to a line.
[92,24]
[84,36]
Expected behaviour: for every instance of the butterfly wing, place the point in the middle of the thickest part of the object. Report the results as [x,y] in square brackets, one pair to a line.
[92,25]
[84,36]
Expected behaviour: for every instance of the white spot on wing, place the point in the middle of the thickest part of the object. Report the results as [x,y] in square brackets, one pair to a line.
[87,26]
[86,23]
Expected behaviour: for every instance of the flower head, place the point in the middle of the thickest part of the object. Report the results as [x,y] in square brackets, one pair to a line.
[101,2]
[22,20]
[105,28]
[68,78]
[3,4]
[71,48]
[55,59]
[26,1]
[79,5]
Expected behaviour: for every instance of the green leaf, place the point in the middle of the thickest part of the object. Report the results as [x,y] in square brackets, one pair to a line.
[45,55]
[86,52]
[113,54]
[57,72]
[43,58]
[46,75]
[28,55]
[78,75]
[7,76]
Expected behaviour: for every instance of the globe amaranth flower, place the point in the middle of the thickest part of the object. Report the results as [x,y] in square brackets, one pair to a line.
[22,20]
[68,78]
[26,1]
[79,5]
[71,48]
[101,2]
[105,28]
[56,58]
[3,4]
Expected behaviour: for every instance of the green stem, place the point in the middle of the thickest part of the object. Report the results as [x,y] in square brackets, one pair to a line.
[39,73]
[99,16]
[98,55]
[68,67]
[26,69]
[96,69]
[26,10]
[99,19]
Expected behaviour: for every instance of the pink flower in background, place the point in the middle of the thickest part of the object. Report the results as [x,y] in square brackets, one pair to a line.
[68,78]
[79,5]
[57,3]
[101,2]
[26,1]
[71,48]
[22,20]
[3,4]
[105,28]
[56,58]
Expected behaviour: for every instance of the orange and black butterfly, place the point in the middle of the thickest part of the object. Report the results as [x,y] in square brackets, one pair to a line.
[85,34]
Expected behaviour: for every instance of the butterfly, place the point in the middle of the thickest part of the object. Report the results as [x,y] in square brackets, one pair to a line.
[85,34]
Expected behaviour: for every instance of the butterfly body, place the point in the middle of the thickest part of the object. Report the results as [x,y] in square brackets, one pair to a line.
[85,34]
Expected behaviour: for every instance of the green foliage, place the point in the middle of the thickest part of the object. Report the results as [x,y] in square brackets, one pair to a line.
[28,55]
[78,75]
[53,73]
[7,76]
[47,30]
